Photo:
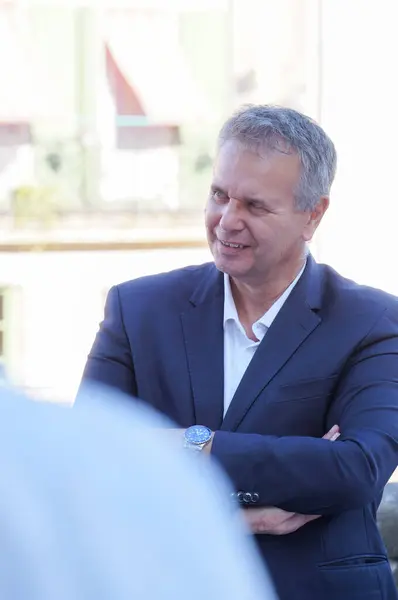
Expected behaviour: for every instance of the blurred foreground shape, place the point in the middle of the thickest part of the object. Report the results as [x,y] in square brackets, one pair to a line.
[95,504]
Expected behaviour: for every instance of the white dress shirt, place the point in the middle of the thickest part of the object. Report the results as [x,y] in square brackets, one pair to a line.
[238,348]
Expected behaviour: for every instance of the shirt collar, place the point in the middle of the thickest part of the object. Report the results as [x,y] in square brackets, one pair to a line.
[231,314]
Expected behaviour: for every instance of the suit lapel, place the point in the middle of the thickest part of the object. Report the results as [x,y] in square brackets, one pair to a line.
[295,322]
[204,341]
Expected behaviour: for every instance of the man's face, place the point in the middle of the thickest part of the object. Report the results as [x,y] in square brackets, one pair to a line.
[253,226]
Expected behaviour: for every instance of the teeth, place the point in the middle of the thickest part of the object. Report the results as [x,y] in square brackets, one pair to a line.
[231,245]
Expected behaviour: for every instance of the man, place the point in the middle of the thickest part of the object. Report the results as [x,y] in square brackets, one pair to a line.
[266,352]
[80,517]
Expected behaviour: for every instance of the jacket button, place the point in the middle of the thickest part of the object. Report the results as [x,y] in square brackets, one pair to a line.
[247,498]
[239,496]
[255,497]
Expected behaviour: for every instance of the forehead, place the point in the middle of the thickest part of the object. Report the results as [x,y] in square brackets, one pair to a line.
[242,171]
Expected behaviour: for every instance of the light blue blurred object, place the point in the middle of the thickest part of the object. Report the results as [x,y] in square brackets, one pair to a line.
[3,377]
[80,516]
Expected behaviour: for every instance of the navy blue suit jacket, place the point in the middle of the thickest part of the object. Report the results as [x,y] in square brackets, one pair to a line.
[330,356]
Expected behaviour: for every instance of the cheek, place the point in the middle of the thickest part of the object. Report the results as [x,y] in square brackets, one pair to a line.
[265,233]
[273,235]
[212,217]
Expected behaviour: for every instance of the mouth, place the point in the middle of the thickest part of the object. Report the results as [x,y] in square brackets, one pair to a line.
[232,245]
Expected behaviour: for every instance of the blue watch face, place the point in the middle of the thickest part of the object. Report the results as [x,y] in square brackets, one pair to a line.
[198,434]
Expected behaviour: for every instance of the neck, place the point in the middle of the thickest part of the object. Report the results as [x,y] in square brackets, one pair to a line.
[253,299]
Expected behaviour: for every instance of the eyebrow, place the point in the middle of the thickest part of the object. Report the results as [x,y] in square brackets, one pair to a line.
[217,188]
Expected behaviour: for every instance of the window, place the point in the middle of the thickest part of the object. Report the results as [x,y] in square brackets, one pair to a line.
[102,129]
[121,124]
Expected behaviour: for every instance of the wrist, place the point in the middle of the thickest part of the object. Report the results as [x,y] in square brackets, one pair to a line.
[197,438]
[208,446]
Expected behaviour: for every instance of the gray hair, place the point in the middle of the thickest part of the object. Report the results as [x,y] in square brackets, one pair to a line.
[286,130]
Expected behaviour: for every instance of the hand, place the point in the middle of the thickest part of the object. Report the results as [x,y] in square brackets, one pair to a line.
[332,434]
[275,521]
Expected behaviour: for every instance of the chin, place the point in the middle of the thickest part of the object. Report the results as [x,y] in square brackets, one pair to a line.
[229,269]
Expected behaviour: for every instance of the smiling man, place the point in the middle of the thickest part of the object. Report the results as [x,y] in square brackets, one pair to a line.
[263,358]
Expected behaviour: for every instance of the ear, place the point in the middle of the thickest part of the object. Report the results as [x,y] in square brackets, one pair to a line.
[315,217]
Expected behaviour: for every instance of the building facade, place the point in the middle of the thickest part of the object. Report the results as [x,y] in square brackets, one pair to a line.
[107,128]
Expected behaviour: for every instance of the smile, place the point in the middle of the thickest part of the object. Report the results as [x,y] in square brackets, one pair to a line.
[231,245]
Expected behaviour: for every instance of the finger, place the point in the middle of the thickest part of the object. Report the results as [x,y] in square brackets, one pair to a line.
[263,520]
[334,437]
[295,523]
[335,429]
[286,523]
[270,515]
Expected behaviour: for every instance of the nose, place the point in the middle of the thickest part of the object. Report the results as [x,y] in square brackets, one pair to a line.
[231,217]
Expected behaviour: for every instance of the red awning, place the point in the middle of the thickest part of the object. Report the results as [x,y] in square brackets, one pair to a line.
[123,93]
[148,68]
[127,103]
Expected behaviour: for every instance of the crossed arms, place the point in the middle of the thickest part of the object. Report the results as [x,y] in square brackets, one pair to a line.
[306,476]
[303,475]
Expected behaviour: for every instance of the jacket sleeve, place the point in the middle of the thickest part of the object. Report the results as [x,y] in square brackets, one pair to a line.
[110,360]
[316,476]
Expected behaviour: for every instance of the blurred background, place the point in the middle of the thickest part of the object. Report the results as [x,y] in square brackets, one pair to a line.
[109,112]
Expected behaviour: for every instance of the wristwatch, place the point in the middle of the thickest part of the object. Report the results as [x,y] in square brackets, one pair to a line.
[197,437]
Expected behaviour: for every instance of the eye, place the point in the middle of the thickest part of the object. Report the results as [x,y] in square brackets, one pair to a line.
[257,206]
[219,196]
